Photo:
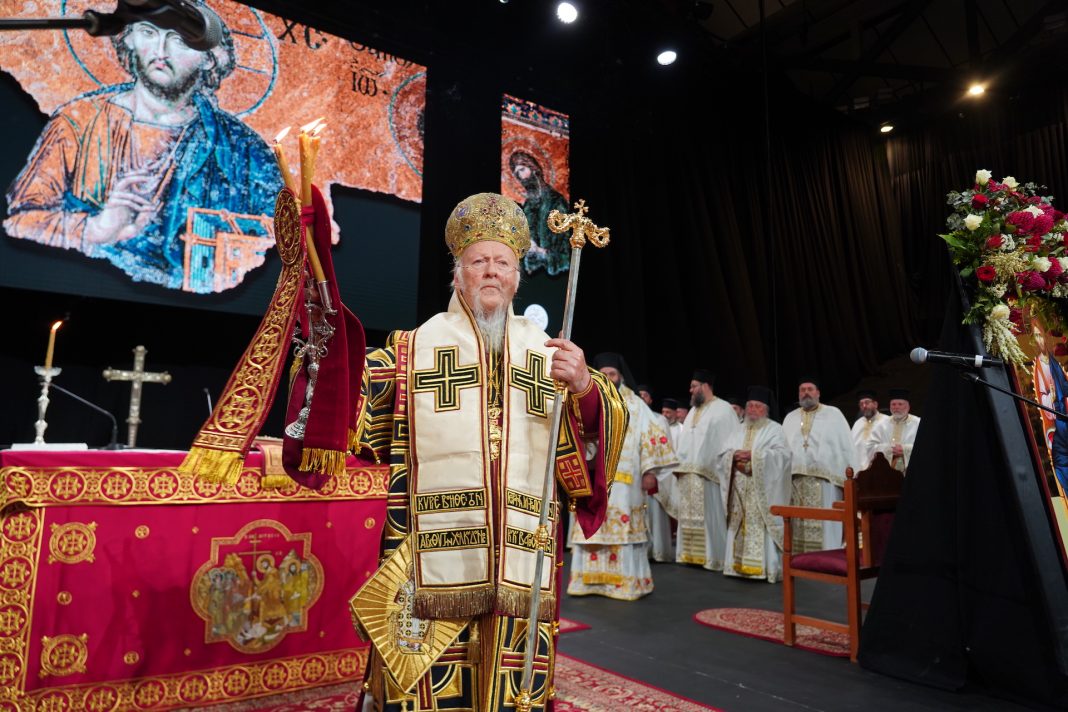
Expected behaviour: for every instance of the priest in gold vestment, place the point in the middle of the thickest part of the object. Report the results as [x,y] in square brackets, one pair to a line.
[460,408]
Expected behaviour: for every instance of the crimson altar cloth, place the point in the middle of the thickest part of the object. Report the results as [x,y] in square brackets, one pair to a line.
[124,586]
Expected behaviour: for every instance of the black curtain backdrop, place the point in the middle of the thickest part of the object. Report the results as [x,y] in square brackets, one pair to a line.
[1023,134]
[716,264]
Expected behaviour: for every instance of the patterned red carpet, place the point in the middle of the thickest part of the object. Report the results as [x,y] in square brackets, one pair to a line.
[767,625]
[569,626]
[581,687]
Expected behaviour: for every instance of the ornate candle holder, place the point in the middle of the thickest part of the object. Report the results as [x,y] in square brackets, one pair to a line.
[46,374]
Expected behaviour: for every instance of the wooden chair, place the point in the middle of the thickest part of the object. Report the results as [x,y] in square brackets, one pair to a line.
[866,514]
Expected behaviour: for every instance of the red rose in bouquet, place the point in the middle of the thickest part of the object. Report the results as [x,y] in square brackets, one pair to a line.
[1030,281]
[986,273]
[995,242]
[979,201]
[1043,224]
[1021,221]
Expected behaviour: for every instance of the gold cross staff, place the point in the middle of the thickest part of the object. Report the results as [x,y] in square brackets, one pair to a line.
[136,377]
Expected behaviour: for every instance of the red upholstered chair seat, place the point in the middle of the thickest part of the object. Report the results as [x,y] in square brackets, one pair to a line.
[827,561]
[866,514]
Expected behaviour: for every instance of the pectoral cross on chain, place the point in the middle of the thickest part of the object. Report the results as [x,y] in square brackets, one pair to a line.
[136,377]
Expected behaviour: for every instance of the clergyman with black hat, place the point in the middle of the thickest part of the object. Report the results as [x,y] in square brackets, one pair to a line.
[614,561]
[696,500]
[669,408]
[895,436]
[754,475]
[870,416]
[460,408]
[821,449]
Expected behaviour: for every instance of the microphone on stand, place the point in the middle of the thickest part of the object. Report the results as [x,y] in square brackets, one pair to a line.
[114,444]
[198,27]
[921,355]
[207,394]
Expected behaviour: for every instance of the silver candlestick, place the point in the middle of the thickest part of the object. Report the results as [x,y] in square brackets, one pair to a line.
[46,374]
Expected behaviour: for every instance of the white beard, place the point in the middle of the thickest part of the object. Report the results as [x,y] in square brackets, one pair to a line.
[491,326]
[899,416]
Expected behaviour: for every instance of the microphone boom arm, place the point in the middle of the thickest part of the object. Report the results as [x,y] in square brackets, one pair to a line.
[113,445]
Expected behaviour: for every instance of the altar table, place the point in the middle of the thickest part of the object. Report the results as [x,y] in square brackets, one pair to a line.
[124,586]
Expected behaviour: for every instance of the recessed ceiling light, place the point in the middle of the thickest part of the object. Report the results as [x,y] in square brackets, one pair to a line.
[667,57]
[977,89]
[566,13]
[886,128]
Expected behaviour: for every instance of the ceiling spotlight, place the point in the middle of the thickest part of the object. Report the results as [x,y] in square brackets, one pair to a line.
[886,128]
[566,13]
[977,89]
[667,57]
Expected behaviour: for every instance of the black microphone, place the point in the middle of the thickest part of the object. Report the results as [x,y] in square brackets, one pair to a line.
[198,27]
[921,355]
[114,444]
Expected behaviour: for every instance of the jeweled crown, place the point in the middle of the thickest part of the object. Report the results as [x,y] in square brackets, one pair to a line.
[487,216]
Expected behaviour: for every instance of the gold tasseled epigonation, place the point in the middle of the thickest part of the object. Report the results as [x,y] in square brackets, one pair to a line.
[212,465]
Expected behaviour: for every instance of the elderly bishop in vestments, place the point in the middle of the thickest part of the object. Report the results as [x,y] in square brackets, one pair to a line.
[821,448]
[614,562]
[460,409]
[895,436]
[754,476]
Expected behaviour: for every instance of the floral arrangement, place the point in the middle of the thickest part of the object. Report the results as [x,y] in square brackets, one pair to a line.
[1011,245]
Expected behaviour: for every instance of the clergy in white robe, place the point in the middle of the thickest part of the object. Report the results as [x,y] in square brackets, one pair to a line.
[697,502]
[754,476]
[821,449]
[895,436]
[870,416]
[614,562]
[661,548]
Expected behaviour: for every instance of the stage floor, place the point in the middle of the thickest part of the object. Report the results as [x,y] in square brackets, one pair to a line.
[655,640]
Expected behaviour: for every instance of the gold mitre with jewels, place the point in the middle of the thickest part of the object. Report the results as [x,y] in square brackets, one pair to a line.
[487,216]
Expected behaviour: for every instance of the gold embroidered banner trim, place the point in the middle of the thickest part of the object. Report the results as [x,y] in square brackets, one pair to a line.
[443,539]
[528,503]
[220,447]
[456,501]
[64,486]
[21,535]
[201,687]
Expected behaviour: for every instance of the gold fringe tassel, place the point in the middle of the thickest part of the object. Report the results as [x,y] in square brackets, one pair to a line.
[325,462]
[222,466]
[275,482]
[513,602]
[454,604]
[354,441]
